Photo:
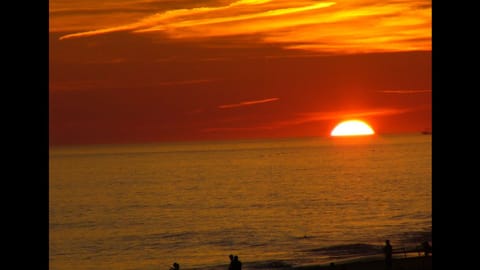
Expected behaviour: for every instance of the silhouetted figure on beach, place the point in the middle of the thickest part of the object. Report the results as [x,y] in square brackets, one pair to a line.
[236,264]
[427,249]
[388,254]
[175,266]
[230,267]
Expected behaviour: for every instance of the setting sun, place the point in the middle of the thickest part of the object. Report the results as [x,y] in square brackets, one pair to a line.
[352,128]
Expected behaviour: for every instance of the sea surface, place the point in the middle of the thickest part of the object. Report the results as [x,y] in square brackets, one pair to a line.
[274,203]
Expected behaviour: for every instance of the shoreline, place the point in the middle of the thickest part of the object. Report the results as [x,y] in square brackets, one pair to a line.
[409,263]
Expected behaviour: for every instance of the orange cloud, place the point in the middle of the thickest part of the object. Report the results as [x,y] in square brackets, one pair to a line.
[318,116]
[247,103]
[322,116]
[335,27]
[169,18]
[105,84]
[406,91]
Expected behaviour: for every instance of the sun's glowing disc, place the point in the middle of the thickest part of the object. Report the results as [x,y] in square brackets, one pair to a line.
[352,128]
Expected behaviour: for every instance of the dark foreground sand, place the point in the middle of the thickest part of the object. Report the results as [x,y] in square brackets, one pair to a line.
[413,263]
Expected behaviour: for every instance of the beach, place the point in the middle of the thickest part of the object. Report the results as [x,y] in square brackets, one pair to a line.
[411,263]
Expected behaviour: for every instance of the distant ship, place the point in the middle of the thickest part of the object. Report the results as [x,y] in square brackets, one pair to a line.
[426,132]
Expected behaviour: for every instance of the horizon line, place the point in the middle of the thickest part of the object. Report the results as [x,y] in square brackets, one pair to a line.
[207,140]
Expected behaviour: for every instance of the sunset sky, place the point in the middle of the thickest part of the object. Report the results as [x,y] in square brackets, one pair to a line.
[137,71]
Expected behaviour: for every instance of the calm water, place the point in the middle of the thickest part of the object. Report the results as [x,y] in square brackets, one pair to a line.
[273,203]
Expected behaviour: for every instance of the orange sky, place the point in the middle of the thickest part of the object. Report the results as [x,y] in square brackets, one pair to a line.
[133,71]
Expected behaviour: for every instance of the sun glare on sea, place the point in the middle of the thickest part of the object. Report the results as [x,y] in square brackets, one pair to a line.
[352,128]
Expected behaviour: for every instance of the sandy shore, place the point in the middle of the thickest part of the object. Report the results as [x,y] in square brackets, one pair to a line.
[412,263]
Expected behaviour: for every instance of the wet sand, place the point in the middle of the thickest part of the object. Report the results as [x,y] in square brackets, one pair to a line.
[412,263]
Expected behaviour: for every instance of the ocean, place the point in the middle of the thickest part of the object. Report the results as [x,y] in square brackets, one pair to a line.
[274,203]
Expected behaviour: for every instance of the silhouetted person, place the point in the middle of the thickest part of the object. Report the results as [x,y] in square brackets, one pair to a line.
[332,266]
[236,264]
[175,266]
[388,254]
[230,267]
[427,249]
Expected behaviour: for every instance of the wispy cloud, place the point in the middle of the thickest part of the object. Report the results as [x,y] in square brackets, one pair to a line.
[216,129]
[186,82]
[339,115]
[171,19]
[405,91]
[329,26]
[247,103]
[105,84]
[303,118]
